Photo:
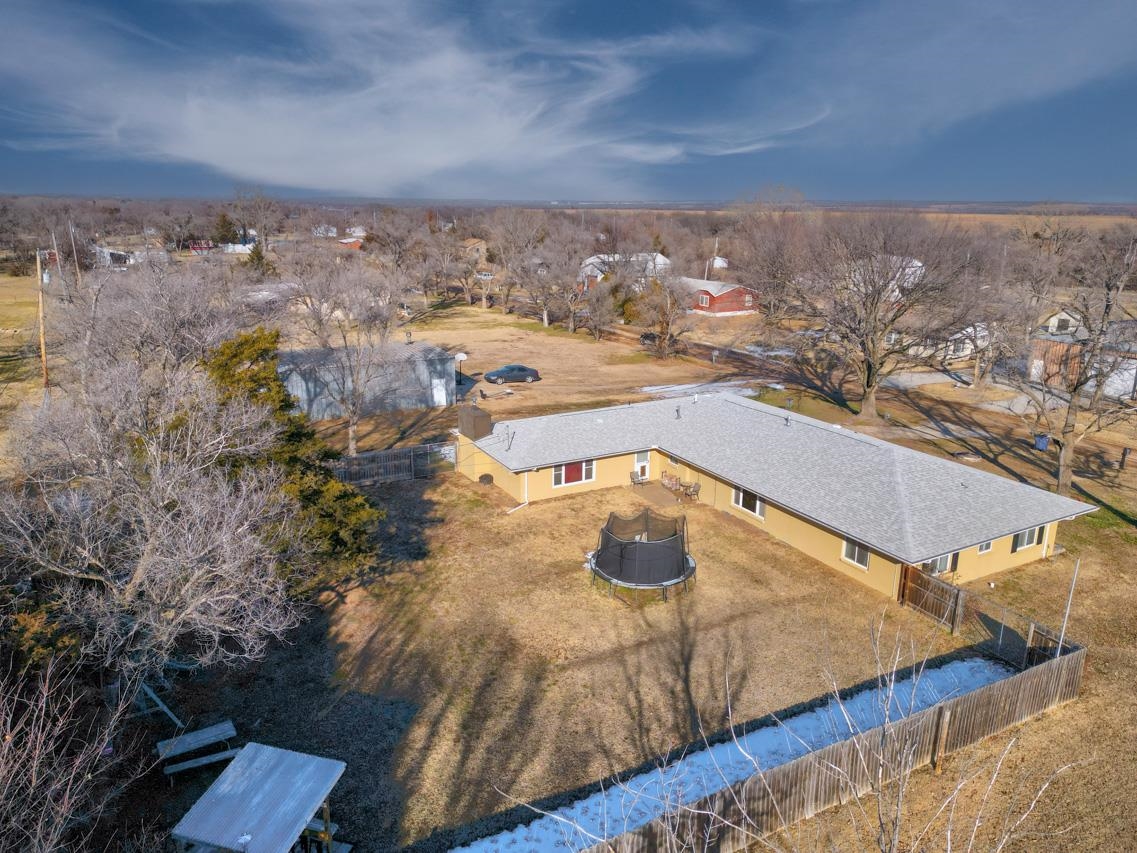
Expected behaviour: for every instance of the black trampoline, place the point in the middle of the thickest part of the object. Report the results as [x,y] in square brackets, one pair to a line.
[644,551]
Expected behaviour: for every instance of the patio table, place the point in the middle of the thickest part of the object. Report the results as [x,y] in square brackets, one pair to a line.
[261,802]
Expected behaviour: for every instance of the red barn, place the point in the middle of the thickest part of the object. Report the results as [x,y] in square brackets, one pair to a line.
[719,298]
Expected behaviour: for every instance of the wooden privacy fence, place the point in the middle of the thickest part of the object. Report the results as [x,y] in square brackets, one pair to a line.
[389,466]
[930,595]
[774,799]
[992,628]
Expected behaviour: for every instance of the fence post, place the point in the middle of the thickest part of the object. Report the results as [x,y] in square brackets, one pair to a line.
[938,745]
[957,613]
[903,584]
[1029,643]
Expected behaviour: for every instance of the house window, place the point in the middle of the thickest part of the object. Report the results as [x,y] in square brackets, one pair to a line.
[749,502]
[1027,538]
[704,300]
[574,472]
[1062,325]
[856,553]
[891,338]
[957,347]
[984,547]
[748,300]
[945,563]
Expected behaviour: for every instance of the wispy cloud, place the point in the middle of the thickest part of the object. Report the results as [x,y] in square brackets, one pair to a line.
[892,71]
[363,101]
[405,98]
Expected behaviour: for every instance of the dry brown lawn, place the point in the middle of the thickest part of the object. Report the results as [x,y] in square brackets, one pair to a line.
[484,669]
[576,371]
[18,373]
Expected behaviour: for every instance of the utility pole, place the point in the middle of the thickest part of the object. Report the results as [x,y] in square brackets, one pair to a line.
[75,257]
[1069,601]
[42,333]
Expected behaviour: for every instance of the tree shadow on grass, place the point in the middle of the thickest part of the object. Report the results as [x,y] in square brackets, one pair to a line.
[960,425]
[1114,511]
[657,758]
[821,378]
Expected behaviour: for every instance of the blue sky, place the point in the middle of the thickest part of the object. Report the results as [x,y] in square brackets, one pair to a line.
[539,99]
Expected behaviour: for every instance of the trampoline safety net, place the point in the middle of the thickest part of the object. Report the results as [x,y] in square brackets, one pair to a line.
[644,550]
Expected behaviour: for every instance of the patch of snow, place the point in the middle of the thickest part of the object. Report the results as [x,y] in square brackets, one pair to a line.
[770,352]
[665,391]
[643,798]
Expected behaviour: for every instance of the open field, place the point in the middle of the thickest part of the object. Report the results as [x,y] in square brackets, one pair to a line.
[484,659]
[18,300]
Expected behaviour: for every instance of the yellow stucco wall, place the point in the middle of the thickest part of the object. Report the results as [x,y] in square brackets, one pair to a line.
[825,546]
[473,462]
[974,565]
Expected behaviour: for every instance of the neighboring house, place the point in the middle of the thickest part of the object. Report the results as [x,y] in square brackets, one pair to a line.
[719,263]
[351,243]
[1061,323]
[718,298]
[1056,357]
[409,376]
[892,275]
[861,506]
[201,247]
[112,258]
[237,248]
[325,231]
[957,346]
[641,266]
[356,231]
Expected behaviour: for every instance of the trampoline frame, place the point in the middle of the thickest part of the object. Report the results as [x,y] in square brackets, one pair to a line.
[687,576]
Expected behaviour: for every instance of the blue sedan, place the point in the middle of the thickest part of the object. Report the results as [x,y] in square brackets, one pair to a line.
[512,373]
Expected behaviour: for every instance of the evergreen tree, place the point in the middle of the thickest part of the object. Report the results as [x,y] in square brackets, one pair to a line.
[338,521]
[259,263]
[225,230]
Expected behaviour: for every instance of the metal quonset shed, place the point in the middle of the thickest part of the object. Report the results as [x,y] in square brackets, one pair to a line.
[405,376]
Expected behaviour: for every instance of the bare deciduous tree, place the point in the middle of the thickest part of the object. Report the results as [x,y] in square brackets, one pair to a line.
[662,306]
[349,307]
[601,307]
[769,249]
[150,522]
[884,285]
[565,247]
[55,761]
[515,235]
[397,235]
[1070,383]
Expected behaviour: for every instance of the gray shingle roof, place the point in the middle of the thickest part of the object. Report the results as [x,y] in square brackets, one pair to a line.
[901,502]
[393,353]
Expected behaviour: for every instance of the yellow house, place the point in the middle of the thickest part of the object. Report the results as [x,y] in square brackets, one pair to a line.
[862,506]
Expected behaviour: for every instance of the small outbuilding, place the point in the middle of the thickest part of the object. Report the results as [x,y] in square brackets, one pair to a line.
[402,376]
[719,298]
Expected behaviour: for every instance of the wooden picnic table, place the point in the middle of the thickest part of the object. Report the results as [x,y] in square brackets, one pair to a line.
[261,802]
[190,741]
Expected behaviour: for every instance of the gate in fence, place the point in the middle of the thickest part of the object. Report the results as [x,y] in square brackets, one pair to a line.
[390,466]
[993,628]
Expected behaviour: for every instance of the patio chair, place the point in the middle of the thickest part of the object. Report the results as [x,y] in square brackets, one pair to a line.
[692,490]
[637,478]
